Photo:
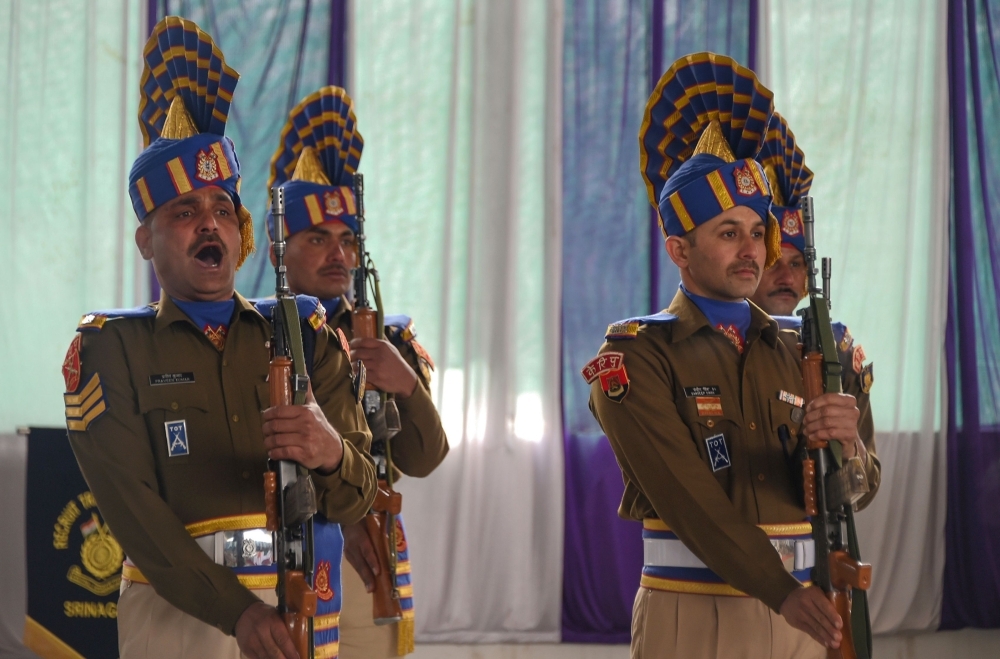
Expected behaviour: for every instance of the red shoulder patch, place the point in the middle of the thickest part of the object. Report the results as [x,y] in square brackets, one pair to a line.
[609,367]
[858,358]
[344,344]
[71,365]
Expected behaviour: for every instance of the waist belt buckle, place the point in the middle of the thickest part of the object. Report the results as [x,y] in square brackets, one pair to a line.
[241,548]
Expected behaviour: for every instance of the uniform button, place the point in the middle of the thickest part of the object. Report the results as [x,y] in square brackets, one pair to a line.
[760,477]
[225,363]
[753,426]
[246,474]
[710,423]
[236,418]
[174,405]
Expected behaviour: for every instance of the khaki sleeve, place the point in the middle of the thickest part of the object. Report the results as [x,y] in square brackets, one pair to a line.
[345,495]
[866,426]
[657,452]
[421,444]
[117,461]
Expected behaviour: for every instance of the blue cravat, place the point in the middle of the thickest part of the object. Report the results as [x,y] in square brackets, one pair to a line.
[212,318]
[730,318]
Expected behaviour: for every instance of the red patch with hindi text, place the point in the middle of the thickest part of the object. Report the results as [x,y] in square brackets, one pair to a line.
[71,365]
[746,185]
[609,368]
[323,590]
[733,335]
[858,358]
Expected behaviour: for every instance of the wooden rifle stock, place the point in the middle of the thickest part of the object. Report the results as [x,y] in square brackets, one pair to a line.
[812,378]
[365,326]
[386,607]
[845,574]
[301,601]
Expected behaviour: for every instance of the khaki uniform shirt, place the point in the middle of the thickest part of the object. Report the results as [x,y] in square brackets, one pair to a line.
[161,368]
[421,444]
[659,431]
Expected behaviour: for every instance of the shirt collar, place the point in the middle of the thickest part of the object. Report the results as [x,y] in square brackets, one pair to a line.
[168,313]
[690,319]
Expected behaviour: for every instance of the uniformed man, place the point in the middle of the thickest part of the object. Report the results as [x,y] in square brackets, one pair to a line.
[317,173]
[783,285]
[692,398]
[164,403]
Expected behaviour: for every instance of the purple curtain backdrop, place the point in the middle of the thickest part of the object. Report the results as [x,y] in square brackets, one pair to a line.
[972,529]
[614,52]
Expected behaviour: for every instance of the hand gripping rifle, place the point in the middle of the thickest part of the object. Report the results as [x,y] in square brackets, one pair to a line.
[383,418]
[289,494]
[831,485]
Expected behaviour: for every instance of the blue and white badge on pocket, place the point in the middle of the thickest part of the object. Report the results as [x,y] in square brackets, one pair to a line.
[718,452]
[177,438]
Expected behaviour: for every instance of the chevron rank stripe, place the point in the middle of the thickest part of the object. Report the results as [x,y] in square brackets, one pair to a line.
[86,405]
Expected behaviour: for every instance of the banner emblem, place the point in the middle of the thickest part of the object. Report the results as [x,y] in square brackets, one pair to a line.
[323,590]
[71,365]
[745,183]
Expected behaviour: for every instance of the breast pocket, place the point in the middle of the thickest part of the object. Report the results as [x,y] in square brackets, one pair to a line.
[790,416]
[717,435]
[175,414]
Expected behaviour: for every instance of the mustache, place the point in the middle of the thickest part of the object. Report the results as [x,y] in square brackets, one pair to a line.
[744,265]
[335,269]
[781,291]
[207,239]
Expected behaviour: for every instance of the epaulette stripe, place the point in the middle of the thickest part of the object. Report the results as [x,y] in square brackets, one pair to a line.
[626,330]
[79,416]
[81,425]
[76,398]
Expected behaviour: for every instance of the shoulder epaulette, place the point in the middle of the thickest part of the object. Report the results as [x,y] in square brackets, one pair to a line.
[94,321]
[629,328]
[310,309]
[399,328]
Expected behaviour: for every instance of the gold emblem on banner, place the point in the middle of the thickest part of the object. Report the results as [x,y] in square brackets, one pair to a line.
[100,553]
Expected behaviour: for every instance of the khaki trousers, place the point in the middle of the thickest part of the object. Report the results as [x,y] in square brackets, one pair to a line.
[667,625]
[149,627]
[360,637]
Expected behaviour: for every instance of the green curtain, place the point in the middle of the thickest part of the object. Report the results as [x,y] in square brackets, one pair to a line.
[68,135]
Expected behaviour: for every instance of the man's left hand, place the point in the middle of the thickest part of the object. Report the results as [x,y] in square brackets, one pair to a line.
[834,417]
[302,434]
[384,366]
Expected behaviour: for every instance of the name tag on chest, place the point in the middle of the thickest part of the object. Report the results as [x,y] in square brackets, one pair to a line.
[170,378]
[718,452]
[177,438]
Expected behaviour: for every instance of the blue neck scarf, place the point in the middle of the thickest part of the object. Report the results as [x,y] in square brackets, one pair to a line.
[212,318]
[332,306]
[730,318]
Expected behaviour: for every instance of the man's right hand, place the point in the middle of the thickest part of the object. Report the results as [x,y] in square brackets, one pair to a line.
[360,553]
[261,634]
[809,610]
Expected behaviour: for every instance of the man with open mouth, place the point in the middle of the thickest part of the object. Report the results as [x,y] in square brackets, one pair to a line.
[322,228]
[168,406]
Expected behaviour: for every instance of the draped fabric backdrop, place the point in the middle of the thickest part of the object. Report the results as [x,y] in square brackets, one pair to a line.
[68,134]
[282,51]
[972,569]
[861,84]
[614,265]
[461,163]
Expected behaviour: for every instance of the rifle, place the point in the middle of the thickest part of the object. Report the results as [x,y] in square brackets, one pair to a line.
[831,485]
[383,419]
[289,493]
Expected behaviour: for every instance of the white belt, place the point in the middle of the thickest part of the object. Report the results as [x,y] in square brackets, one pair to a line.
[668,552]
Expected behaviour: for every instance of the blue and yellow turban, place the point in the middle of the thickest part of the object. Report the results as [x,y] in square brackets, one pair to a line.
[702,127]
[315,162]
[186,89]
[790,179]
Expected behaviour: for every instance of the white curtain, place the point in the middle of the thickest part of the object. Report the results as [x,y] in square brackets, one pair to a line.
[458,101]
[863,85]
[68,134]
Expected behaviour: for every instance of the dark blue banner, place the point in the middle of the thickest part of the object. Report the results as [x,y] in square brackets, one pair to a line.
[74,563]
